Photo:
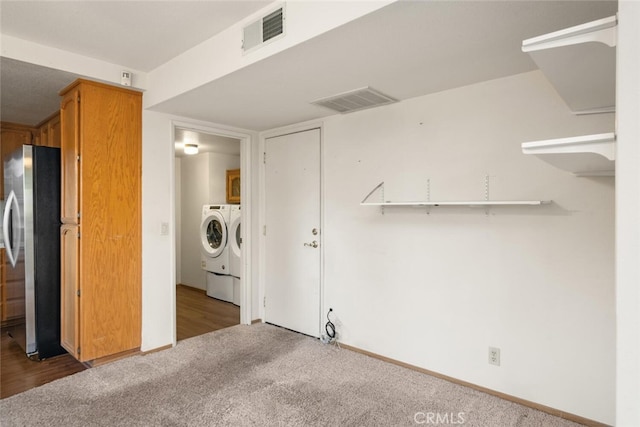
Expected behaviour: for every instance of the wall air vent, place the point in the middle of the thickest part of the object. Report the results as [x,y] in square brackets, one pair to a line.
[355,100]
[269,27]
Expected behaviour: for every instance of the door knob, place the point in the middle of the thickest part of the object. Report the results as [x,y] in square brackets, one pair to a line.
[313,244]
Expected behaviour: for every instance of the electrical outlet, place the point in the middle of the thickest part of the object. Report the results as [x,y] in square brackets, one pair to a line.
[494,356]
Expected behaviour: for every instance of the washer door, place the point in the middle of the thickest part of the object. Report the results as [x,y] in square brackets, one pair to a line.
[236,237]
[213,234]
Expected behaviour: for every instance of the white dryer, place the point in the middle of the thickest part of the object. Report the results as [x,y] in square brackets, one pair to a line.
[235,242]
[214,237]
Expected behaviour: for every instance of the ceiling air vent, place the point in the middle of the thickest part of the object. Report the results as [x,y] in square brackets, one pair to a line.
[264,29]
[355,100]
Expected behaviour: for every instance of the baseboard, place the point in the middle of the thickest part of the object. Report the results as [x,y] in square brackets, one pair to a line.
[155,350]
[523,402]
[191,288]
[254,321]
[111,358]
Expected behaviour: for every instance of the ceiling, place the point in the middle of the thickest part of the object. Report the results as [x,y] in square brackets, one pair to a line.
[29,92]
[406,49]
[141,35]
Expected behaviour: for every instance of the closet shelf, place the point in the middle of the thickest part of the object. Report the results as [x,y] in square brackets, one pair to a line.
[588,155]
[580,62]
[432,203]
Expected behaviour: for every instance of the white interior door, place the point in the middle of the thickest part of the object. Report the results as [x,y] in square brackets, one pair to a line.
[292,288]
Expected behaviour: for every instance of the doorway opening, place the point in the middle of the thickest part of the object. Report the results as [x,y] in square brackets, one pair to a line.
[208,269]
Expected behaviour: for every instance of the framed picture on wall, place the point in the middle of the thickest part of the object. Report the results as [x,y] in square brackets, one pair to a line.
[233,186]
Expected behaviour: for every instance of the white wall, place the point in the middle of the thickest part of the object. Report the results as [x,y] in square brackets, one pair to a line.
[628,215]
[218,166]
[195,193]
[158,254]
[437,290]
[203,181]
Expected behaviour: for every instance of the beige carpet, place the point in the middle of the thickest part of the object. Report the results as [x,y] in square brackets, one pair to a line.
[259,375]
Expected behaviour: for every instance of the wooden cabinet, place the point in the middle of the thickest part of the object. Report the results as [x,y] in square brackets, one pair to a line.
[69,155]
[42,134]
[54,132]
[11,292]
[101,144]
[69,298]
[48,133]
[12,136]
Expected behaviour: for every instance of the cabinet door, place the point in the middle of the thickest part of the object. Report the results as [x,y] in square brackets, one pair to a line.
[70,290]
[44,136]
[11,293]
[110,216]
[70,144]
[54,132]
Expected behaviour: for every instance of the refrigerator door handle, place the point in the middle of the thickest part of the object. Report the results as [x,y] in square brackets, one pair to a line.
[12,247]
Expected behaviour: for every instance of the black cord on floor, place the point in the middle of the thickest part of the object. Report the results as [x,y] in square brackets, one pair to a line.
[330,328]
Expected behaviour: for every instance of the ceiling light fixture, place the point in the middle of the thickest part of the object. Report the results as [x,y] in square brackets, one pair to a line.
[190,148]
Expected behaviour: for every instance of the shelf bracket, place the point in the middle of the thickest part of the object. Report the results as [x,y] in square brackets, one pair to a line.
[378,187]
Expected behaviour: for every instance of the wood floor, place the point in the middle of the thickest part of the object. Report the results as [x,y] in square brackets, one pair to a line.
[197,314]
[18,373]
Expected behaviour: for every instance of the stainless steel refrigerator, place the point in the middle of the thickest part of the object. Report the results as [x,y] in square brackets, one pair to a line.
[31,232]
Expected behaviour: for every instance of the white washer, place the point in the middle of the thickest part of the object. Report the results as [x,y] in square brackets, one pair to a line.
[214,238]
[235,242]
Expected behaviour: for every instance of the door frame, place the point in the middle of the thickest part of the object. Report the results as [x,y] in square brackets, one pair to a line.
[246,216]
[286,130]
